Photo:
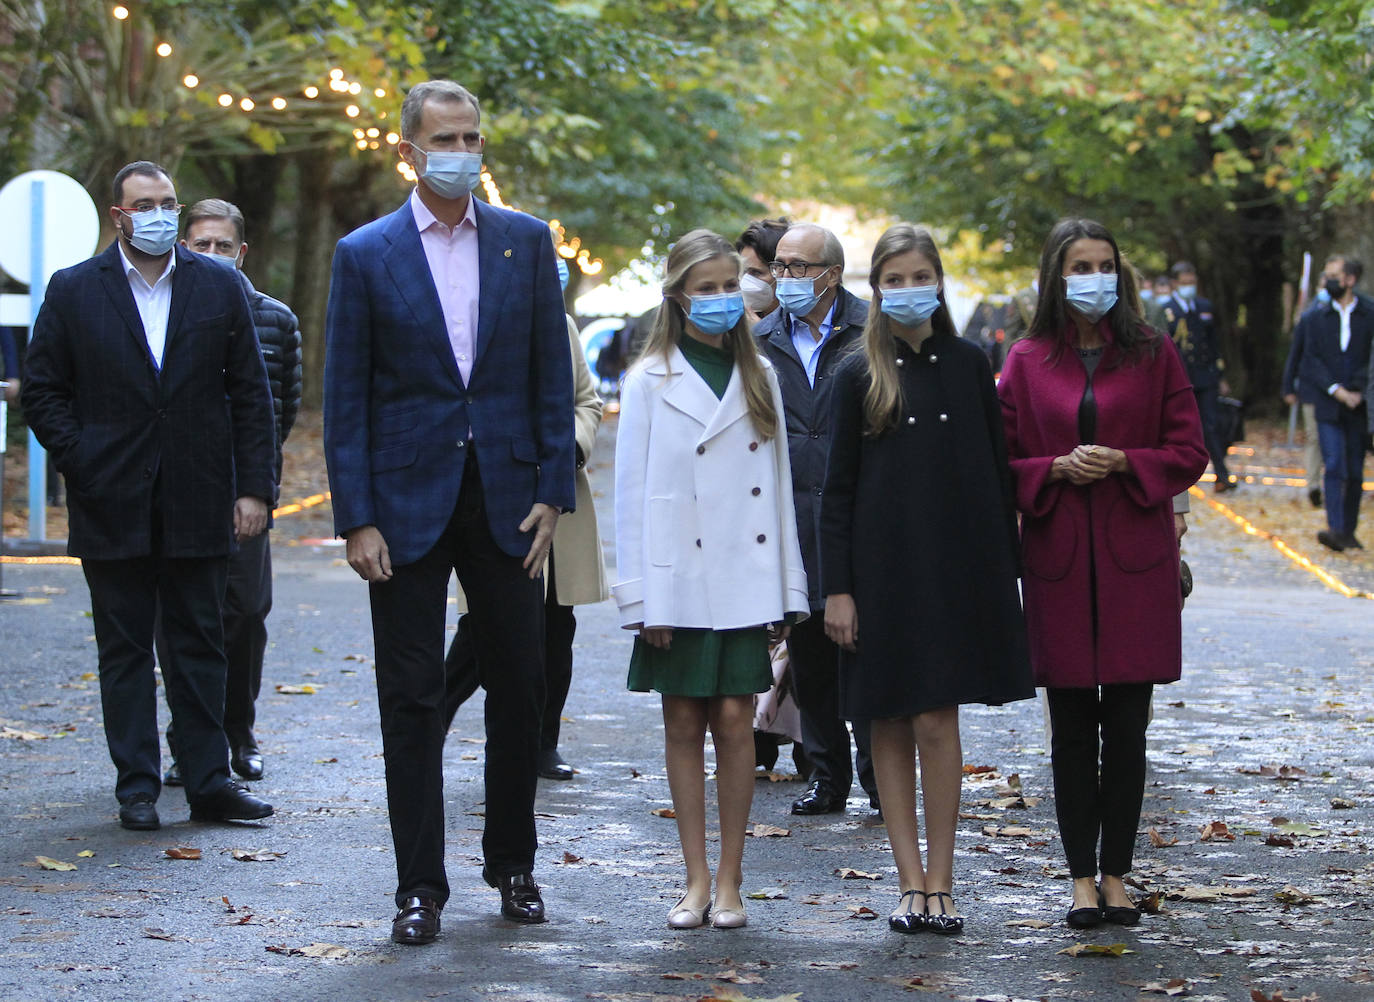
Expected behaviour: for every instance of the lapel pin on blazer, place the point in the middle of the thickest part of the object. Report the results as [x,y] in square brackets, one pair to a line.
[507,252]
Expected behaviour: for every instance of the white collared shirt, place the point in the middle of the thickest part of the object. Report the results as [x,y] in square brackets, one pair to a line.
[154,303]
[808,345]
[1344,312]
[452,255]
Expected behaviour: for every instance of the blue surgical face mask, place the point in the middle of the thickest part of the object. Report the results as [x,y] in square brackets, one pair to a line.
[155,229]
[451,175]
[231,263]
[1323,296]
[798,295]
[1186,292]
[714,315]
[562,272]
[1147,295]
[911,306]
[1091,295]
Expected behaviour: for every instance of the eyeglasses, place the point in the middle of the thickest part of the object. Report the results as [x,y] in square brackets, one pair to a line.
[794,269]
[171,205]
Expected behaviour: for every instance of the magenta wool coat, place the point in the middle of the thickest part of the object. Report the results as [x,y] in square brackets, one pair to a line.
[1101,587]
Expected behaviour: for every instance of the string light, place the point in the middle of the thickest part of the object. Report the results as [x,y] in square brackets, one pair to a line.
[120,13]
[279,103]
[191,80]
[225,100]
[247,104]
[164,50]
[352,111]
[311,92]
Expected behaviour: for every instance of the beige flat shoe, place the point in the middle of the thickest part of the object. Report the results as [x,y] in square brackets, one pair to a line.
[729,918]
[683,917]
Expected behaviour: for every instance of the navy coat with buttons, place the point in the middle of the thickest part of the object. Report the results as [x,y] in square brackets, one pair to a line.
[807,412]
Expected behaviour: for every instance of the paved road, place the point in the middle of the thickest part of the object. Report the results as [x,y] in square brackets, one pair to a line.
[1268,728]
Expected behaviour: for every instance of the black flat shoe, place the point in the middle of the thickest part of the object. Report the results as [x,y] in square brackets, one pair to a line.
[139,814]
[552,766]
[1117,914]
[416,923]
[1084,918]
[1331,541]
[910,920]
[231,803]
[942,922]
[520,898]
[172,777]
[819,799]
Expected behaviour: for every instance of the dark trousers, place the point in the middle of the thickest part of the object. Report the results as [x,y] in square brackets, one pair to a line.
[1342,443]
[1098,788]
[463,673]
[127,597]
[815,661]
[408,615]
[247,601]
[1210,415]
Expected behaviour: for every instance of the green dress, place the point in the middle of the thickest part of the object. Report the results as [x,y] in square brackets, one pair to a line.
[704,663]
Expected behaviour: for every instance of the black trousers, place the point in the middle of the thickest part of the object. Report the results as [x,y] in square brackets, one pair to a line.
[127,597]
[247,601]
[1210,415]
[815,661]
[463,673]
[408,615]
[1098,788]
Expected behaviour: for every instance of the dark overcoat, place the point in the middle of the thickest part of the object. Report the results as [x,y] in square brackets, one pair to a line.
[1101,583]
[918,524]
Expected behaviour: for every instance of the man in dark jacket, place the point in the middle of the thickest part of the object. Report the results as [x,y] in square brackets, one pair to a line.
[214,229]
[1193,326]
[816,324]
[1335,362]
[145,382]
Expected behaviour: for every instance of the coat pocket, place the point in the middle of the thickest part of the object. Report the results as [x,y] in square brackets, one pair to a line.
[1137,537]
[659,537]
[395,458]
[1049,544]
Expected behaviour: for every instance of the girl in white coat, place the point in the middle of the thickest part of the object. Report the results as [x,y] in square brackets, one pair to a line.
[706,549]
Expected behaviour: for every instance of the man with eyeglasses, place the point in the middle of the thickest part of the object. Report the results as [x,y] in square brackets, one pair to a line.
[146,384]
[816,324]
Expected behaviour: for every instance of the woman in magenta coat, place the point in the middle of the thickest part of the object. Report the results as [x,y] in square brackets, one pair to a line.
[1102,431]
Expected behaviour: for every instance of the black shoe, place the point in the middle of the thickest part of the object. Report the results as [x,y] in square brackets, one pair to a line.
[552,766]
[416,923]
[1315,496]
[1116,914]
[1351,543]
[1222,486]
[139,813]
[1084,918]
[246,760]
[820,799]
[230,803]
[943,922]
[172,777]
[1331,541]
[520,899]
[910,920]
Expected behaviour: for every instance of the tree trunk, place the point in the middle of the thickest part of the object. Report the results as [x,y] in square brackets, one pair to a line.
[315,235]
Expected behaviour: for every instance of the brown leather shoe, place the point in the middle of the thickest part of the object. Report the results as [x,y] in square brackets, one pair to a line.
[520,898]
[416,923]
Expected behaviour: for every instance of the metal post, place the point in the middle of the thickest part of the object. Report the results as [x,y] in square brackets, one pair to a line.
[38,284]
[4,438]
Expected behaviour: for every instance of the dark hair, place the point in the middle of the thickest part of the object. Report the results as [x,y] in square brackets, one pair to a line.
[1182,268]
[762,236]
[145,168]
[413,107]
[1052,323]
[1352,266]
[215,208]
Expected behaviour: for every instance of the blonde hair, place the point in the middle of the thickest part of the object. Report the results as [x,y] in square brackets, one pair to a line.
[670,323]
[883,399]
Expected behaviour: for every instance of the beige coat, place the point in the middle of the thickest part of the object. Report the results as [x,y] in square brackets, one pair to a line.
[578,565]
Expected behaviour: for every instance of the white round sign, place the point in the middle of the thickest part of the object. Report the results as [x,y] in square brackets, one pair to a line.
[71,225]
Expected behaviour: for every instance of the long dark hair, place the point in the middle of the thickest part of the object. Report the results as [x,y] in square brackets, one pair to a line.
[1052,323]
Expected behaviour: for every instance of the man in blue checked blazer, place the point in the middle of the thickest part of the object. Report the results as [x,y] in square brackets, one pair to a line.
[146,384]
[449,438]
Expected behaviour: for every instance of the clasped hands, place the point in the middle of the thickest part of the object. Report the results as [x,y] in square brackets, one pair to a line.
[1088,463]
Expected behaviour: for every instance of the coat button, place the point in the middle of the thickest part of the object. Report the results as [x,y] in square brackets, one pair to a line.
[462,443]
[899,361]
[911,420]
[701,449]
[934,358]
[698,544]
[753,446]
[814,434]
[756,492]
[944,417]
[762,538]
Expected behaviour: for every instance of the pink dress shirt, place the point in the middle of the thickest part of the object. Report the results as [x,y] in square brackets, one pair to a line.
[452,255]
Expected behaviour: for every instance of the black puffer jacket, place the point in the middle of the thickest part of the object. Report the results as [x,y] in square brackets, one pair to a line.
[279,334]
[807,414]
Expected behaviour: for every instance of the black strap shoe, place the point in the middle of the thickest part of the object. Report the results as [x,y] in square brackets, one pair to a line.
[820,799]
[416,923]
[520,898]
[139,813]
